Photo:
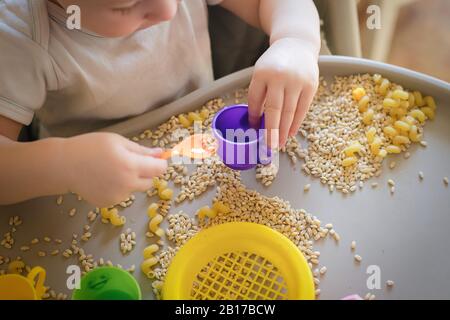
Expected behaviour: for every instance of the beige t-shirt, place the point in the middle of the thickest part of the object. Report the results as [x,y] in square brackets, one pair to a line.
[76,81]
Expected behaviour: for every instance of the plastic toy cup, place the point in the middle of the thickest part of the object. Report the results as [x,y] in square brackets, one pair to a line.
[239,146]
[17,287]
[108,283]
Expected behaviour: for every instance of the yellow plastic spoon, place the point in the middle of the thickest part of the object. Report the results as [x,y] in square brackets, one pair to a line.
[197,146]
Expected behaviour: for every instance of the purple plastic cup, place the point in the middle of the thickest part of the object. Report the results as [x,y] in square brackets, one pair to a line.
[239,146]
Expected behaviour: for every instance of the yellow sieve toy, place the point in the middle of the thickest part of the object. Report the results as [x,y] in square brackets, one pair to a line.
[239,261]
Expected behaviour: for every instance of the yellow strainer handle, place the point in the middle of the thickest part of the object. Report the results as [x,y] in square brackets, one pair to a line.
[39,273]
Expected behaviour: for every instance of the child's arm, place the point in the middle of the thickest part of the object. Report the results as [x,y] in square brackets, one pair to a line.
[103,168]
[286,76]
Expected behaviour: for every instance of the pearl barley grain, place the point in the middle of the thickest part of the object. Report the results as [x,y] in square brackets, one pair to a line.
[421,176]
[392,190]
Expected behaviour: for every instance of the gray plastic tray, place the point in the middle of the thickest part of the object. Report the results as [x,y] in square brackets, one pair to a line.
[405,235]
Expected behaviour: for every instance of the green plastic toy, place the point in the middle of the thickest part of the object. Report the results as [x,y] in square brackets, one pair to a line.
[108,283]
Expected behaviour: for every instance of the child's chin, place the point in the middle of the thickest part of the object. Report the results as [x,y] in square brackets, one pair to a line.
[147,25]
[151,22]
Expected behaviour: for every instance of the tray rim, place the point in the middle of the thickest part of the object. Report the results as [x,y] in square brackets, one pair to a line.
[198,97]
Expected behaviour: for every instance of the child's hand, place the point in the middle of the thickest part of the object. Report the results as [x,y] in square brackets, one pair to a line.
[285,80]
[105,168]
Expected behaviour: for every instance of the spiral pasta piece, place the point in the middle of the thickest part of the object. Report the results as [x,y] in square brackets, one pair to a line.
[149,260]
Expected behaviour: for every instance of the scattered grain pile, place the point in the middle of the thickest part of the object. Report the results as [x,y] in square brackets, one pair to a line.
[241,205]
[354,124]
[351,127]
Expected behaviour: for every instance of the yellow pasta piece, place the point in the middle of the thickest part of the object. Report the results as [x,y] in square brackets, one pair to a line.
[165,194]
[352,148]
[429,112]
[384,86]
[184,121]
[390,103]
[390,131]
[16,267]
[375,146]
[411,100]
[419,99]
[402,126]
[399,140]
[382,153]
[363,103]
[400,94]
[160,232]
[152,210]
[159,184]
[418,114]
[204,114]
[409,120]
[201,213]
[349,161]
[393,149]
[205,212]
[377,78]
[117,220]
[113,212]
[370,134]
[220,207]
[211,214]
[154,223]
[162,185]
[401,112]
[149,263]
[105,213]
[414,134]
[146,266]
[368,117]
[358,93]
[149,251]
[430,102]
[404,105]
[393,113]
[194,117]
[156,182]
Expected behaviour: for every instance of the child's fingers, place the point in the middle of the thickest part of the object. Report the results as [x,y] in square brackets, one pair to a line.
[304,102]
[272,111]
[150,167]
[256,96]
[152,152]
[143,184]
[291,97]
[139,149]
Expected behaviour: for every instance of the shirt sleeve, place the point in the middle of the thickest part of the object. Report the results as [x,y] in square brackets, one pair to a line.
[24,65]
[213,2]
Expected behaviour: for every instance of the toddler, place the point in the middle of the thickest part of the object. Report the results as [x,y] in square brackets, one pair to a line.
[128,57]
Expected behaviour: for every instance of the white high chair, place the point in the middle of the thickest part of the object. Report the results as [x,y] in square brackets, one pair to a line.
[377,42]
[340,26]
